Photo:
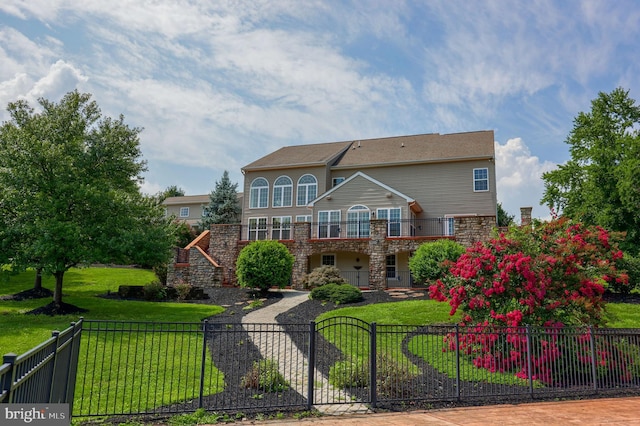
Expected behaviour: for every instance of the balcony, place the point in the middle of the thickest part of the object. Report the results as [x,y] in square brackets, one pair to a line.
[402,228]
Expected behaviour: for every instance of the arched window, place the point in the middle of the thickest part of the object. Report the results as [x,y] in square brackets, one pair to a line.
[282,192]
[358,222]
[259,198]
[307,189]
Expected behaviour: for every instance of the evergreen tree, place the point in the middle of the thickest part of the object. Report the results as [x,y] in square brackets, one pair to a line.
[223,205]
[504,218]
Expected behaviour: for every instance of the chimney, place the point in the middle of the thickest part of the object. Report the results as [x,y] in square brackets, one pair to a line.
[525,216]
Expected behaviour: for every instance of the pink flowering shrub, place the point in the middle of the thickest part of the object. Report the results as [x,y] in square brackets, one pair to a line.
[552,275]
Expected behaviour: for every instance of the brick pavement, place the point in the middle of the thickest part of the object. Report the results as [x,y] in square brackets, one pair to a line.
[603,411]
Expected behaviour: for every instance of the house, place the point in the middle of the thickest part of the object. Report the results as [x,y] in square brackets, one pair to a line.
[189,208]
[363,206]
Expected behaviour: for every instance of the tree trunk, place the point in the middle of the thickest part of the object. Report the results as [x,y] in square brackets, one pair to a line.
[37,284]
[57,293]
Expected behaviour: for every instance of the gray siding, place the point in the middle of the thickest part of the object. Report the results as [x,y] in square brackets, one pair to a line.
[440,188]
[320,174]
[363,192]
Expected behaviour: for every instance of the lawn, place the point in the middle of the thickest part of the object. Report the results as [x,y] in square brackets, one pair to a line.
[133,358]
[81,286]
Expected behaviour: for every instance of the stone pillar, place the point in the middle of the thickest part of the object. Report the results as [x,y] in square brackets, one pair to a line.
[377,254]
[224,249]
[301,249]
[472,229]
[525,216]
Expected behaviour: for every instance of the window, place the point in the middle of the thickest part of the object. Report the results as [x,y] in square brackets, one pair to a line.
[391,266]
[282,192]
[258,228]
[392,215]
[329,224]
[480,180]
[307,189]
[184,211]
[328,260]
[281,228]
[259,198]
[304,218]
[358,222]
[337,181]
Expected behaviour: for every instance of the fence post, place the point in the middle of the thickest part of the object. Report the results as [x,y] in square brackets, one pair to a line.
[594,360]
[203,360]
[312,364]
[54,361]
[529,360]
[457,362]
[73,363]
[7,383]
[373,364]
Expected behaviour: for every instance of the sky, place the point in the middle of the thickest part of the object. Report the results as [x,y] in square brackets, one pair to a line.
[215,85]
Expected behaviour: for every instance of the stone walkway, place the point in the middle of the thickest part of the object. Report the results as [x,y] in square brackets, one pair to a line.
[296,375]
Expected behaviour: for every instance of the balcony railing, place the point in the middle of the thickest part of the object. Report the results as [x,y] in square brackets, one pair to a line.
[436,227]
[395,278]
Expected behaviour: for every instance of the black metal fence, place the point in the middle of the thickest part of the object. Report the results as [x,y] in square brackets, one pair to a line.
[46,373]
[144,368]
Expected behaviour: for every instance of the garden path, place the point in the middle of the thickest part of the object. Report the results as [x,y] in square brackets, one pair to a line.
[280,349]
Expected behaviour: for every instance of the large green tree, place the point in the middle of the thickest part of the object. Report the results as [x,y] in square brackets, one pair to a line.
[600,184]
[223,204]
[69,182]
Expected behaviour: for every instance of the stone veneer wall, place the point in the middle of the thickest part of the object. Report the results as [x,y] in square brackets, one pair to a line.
[203,273]
[226,245]
[224,249]
[472,229]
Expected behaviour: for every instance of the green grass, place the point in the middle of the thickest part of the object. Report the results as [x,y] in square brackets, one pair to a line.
[623,315]
[81,286]
[354,342]
[144,359]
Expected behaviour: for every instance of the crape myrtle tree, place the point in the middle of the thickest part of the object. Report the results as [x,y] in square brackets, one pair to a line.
[223,204]
[69,179]
[599,184]
[551,275]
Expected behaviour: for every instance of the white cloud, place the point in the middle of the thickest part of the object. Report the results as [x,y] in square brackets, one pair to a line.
[519,178]
[61,78]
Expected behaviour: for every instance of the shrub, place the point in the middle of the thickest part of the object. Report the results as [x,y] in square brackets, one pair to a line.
[183,290]
[349,373]
[323,275]
[155,291]
[631,264]
[161,270]
[264,376]
[432,260]
[339,294]
[263,264]
[392,377]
